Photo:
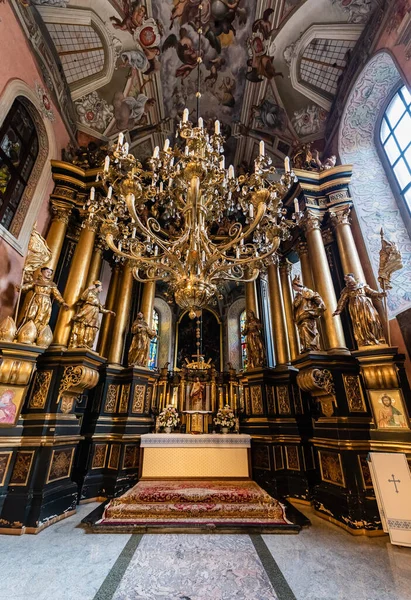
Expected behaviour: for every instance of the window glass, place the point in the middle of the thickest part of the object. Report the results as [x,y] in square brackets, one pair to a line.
[153,352]
[243,340]
[18,153]
[395,135]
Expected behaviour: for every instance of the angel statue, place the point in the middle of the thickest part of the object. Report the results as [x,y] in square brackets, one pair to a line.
[86,321]
[142,334]
[366,323]
[253,330]
[308,306]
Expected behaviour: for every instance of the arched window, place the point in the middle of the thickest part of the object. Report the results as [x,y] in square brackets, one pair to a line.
[19,148]
[243,341]
[153,353]
[395,135]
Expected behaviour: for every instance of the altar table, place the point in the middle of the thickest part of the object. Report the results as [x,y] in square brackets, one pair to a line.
[185,456]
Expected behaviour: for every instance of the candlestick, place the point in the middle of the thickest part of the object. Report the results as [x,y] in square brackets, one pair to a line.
[156,151]
[231,172]
[296,205]
[125,148]
[110,192]
[120,138]
[200,123]
[251,213]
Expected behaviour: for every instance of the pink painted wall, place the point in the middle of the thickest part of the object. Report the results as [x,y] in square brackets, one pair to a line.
[396,22]
[17,62]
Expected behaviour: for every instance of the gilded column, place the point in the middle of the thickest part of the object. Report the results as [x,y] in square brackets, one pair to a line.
[323,282]
[122,309]
[76,282]
[96,262]
[251,302]
[350,260]
[285,277]
[306,271]
[108,320]
[147,301]
[277,314]
[57,230]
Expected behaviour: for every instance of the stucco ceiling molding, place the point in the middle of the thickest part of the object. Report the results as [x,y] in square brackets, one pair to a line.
[111,44]
[350,32]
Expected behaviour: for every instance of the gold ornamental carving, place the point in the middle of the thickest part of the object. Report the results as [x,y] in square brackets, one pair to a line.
[60,464]
[283,398]
[138,399]
[5,458]
[269,391]
[66,404]
[114,457]
[111,398]
[147,399]
[292,458]
[340,217]
[22,467]
[76,379]
[331,468]
[354,393]
[15,370]
[41,389]
[319,383]
[256,400]
[310,222]
[124,397]
[99,457]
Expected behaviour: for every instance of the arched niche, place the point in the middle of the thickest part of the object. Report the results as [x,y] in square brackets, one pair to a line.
[166,335]
[233,350]
[40,179]
[373,198]
[211,336]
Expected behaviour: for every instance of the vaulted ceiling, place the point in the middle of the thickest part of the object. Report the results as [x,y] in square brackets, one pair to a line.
[270,68]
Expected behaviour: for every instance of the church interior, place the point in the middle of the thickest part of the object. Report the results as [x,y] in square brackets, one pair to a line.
[205,299]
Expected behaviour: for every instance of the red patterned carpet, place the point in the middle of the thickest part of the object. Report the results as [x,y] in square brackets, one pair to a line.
[179,503]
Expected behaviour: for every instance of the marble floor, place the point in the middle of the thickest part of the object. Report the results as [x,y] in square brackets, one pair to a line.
[322,562]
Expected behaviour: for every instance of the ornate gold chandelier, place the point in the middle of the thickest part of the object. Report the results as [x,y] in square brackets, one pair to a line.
[188,220]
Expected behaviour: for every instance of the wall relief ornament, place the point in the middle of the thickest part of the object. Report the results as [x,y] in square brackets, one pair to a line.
[60,464]
[99,456]
[138,399]
[283,399]
[320,384]
[111,398]
[124,397]
[22,467]
[76,379]
[256,400]
[354,393]
[40,390]
[331,468]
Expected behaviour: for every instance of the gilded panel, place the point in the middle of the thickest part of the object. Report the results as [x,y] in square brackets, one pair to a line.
[114,457]
[147,399]
[283,400]
[125,395]
[269,390]
[138,399]
[111,398]
[5,458]
[331,468]
[256,400]
[60,464]
[40,390]
[365,472]
[261,457]
[247,401]
[22,467]
[99,456]
[298,403]
[130,458]
[292,458]
[354,393]
[278,458]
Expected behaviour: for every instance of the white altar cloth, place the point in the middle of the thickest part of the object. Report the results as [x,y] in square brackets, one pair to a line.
[179,456]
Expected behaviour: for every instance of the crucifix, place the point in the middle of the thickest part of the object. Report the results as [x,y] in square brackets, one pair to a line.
[394,481]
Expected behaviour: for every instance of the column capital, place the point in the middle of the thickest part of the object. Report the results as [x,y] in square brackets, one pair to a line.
[302,248]
[341,216]
[286,266]
[60,210]
[310,222]
[89,221]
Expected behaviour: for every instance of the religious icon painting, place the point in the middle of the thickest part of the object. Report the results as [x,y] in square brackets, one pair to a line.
[11,400]
[388,409]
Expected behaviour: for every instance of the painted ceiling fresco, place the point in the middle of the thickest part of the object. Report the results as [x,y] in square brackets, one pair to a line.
[269,68]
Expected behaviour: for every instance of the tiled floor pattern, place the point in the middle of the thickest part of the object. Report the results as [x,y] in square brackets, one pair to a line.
[323,562]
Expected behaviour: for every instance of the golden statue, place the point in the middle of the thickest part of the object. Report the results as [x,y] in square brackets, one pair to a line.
[197,395]
[38,254]
[366,323]
[86,321]
[142,334]
[38,310]
[253,330]
[308,306]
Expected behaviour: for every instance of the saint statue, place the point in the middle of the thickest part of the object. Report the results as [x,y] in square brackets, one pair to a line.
[38,309]
[142,334]
[366,323]
[308,306]
[86,321]
[253,330]
[196,395]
